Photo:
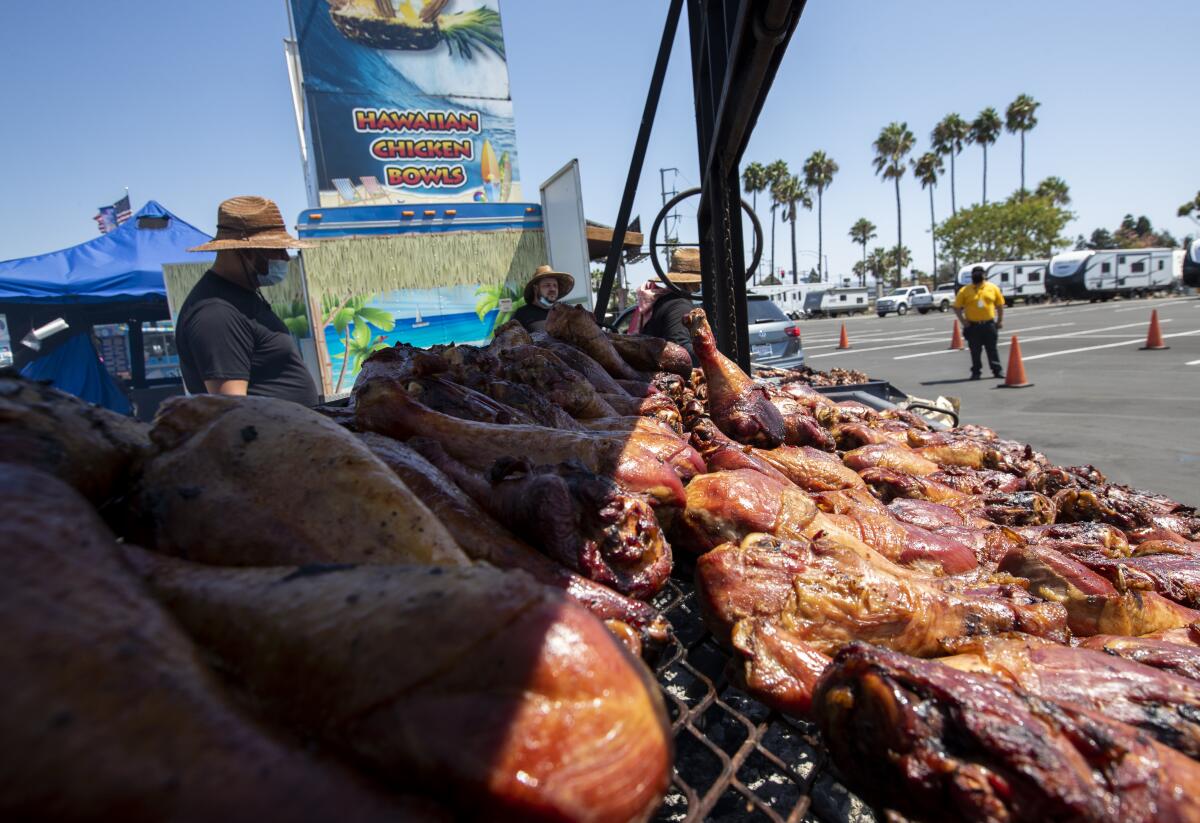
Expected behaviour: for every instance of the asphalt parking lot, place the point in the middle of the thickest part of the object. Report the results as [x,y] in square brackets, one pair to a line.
[1097,398]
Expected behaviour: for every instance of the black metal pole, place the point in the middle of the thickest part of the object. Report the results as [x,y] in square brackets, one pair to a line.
[639,156]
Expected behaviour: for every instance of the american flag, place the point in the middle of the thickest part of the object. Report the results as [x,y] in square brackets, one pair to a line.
[109,217]
[106,219]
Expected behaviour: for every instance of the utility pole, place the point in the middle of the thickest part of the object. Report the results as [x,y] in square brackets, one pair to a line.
[671,222]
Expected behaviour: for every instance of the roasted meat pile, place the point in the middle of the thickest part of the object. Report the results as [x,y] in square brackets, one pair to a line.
[434,598]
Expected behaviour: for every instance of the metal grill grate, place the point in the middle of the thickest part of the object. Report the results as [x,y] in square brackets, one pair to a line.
[735,759]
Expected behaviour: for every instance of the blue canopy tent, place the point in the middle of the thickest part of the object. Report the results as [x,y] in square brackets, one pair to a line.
[114,278]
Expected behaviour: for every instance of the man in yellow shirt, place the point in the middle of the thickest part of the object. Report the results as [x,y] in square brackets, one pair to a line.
[980,307]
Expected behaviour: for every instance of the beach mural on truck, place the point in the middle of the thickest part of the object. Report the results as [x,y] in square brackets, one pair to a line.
[406,101]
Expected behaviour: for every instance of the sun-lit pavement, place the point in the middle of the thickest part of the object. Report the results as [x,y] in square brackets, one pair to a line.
[1097,398]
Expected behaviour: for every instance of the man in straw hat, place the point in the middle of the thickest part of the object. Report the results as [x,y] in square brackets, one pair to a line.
[542,291]
[229,340]
[660,312]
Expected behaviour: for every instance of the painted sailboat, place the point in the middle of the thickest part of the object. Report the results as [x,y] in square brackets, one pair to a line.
[418,321]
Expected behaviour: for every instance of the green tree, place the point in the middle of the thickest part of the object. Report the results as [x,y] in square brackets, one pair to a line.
[948,138]
[819,170]
[984,131]
[894,143]
[927,168]
[877,265]
[860,269]
[1191,208]
[1015,229]
[294,315]
[754,180]
[862,233]
[1019,118]
[354,319]
[776,172]
[792,195]
[898,258]
[1056,189]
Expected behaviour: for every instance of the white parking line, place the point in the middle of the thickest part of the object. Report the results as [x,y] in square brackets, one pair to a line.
[1192,363]
[1006,331]
[1106,345]
[1154,305]
[937,340]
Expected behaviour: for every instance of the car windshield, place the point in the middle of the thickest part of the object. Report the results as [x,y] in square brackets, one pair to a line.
[897,293]
[764,311]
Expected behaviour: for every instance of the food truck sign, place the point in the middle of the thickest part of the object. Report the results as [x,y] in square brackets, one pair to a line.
[403,101]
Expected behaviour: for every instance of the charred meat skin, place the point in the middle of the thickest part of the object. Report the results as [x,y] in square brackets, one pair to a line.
[917,736]
[480,686]
[482,538]
[652,354]
[250,481]
[91,664]
[582,520]
[577,326]
[1163,705]
[829,594]
[640,461]
[94,450]
[595,374]
[739,406]
[1176,658]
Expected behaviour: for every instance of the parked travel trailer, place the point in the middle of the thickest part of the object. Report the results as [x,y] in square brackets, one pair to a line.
[1102,274]
[790,298]
[1017,279]
[830,302]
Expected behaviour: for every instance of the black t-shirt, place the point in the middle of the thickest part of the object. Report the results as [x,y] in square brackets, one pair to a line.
[226,332]
[532,317]
[666,321]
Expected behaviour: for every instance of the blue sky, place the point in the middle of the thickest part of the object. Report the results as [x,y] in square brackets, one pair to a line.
[188,103]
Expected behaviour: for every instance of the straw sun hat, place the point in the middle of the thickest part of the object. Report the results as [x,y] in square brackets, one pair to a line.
[251,223]
[565,282]
[685,266]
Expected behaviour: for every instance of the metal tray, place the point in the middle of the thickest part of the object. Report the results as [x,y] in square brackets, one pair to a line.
[735,759]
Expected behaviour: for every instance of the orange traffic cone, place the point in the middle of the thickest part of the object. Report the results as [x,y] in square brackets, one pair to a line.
[956,341]
[844,341]
[1014,377]
[1154,338]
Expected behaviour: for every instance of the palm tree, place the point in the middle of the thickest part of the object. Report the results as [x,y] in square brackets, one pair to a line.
[1191,208]
[877,264]
[492,297]
[754,179]
[1019,118]
[948,137]
[863,232]
[894,143]
[791,194]
[984,132]
[777,171]
[354,318]
[819,170]
[1056,189]
[927,168]
[897,257]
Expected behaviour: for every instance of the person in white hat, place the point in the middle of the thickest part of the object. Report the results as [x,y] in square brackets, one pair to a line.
[543,290]
[660,312]
[229,340]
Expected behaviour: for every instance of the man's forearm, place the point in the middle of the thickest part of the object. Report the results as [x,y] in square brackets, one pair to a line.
[999,316]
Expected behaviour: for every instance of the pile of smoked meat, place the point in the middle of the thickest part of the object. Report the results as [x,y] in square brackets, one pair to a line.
[433,603]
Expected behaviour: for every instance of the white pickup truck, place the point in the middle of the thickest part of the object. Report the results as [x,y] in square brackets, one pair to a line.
[905,298]
[943,297]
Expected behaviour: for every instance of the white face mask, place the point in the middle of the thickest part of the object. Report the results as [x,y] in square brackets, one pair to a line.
[544,301]
[276,273]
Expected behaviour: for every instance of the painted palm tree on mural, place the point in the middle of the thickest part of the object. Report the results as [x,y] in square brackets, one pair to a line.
[819,170]
[984,131]
[354,318]
[754,180]
[892,146]
[792,196]
[492,297]
[927,168]
[1019,118]
[1056,189]
[948,138]
[862,233]
[777,171]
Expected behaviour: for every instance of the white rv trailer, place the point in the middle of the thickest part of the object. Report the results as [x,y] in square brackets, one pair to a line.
[831,302]
[790,297]
[1016,279]
[1104,273]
